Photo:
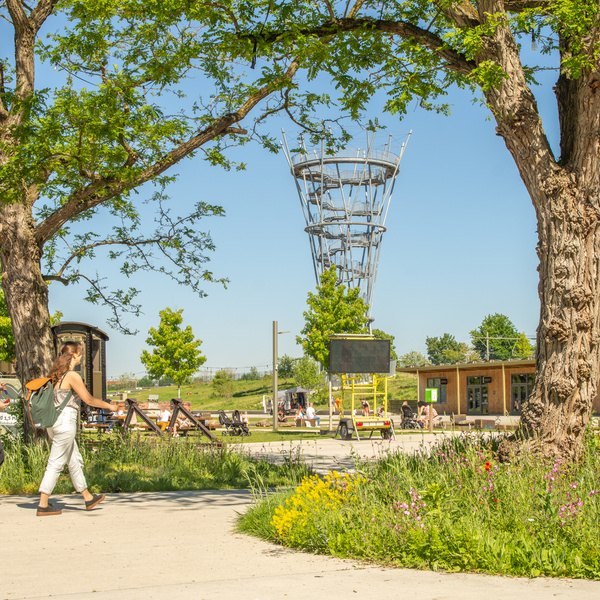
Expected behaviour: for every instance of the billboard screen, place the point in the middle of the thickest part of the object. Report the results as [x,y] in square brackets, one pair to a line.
[359,356]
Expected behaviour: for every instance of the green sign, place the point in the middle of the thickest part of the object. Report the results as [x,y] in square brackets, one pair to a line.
[431,395]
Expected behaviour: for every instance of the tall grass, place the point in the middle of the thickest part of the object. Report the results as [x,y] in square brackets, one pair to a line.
[143,464]
[450,507]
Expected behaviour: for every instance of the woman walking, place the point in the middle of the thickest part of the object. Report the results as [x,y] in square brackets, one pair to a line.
[64,450]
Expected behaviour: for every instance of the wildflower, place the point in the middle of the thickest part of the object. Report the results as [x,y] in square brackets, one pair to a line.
[488,465]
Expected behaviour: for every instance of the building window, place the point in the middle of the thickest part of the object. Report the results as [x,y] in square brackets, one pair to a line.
[440,384]
[521,386]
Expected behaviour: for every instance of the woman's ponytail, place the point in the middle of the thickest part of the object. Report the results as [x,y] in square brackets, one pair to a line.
[63,360]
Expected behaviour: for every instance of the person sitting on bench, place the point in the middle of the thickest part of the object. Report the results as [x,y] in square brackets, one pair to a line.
[312,414]
[163,419]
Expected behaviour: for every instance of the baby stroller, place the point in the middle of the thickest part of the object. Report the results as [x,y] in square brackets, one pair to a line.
[235,426]
[409,419]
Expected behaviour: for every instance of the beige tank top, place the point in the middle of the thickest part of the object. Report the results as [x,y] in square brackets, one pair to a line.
[60,395]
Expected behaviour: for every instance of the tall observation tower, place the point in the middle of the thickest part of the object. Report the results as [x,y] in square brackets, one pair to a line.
[345,199]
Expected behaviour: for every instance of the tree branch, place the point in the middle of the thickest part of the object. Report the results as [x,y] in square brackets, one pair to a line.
[106,188]
[462,13]
[455,61]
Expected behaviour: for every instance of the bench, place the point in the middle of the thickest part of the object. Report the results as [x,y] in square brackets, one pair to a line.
[99,426]
[306,422]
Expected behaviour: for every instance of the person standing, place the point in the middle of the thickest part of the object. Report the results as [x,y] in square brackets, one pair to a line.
[64,450]
[366,407]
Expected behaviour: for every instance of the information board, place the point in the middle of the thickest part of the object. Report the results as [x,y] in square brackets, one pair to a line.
[353,355]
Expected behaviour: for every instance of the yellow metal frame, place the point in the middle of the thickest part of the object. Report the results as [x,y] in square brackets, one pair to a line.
[351,390]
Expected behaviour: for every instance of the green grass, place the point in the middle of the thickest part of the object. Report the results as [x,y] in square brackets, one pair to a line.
[247,395]
[456,510]
[146,464]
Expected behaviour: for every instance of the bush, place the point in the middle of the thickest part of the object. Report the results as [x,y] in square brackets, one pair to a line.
[222,384]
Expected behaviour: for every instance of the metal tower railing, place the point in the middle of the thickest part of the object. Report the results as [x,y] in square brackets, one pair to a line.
[345,200]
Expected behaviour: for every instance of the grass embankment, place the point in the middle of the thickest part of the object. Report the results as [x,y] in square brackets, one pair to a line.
[455,509]
[148,464]
[248,395]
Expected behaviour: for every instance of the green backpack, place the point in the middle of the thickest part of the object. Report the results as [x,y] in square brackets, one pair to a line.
[40,403]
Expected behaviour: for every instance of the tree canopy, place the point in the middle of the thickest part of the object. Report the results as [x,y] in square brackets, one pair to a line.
[498,339]
[111,115]
[379,334]
[104,129]
[176,352]
[307,374]
[333,308]
[413,358]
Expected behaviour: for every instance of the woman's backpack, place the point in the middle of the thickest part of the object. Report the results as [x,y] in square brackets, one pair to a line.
[39,402]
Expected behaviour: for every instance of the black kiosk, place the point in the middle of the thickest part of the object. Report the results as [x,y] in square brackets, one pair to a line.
[93,363]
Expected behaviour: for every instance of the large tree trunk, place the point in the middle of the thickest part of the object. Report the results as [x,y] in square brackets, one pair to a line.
[26,296]
[566,198]
[568,353]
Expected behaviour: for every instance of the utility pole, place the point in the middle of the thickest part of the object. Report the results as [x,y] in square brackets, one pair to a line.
[275,402]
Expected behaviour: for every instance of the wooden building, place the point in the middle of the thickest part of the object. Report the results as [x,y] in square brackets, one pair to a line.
[482,388]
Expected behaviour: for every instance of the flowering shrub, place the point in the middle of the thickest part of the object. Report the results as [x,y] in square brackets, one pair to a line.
[297,519]
[452,506]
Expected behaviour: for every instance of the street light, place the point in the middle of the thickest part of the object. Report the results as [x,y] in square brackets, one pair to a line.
[275,402]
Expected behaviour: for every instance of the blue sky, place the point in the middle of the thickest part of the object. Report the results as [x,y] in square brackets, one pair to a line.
[460,244]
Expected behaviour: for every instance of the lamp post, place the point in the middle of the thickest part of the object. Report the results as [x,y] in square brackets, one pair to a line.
[275,390]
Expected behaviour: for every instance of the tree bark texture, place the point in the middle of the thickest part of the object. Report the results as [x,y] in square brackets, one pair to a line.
[26,296]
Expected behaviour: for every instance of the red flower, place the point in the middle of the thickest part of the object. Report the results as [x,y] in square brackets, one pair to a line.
[488,466]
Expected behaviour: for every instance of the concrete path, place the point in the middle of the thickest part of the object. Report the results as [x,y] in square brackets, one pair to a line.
[325,454]
[182,545]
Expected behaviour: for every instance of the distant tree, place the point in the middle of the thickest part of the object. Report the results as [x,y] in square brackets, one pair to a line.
[285,366]
[252,375]
[524,348]
[176,352]
[413,359]
[442,349]
[307,373]
[498,339]
[166,381]
[127,380]
[145,382]
[378,334]
[464,353]
[222,383]
[332,309]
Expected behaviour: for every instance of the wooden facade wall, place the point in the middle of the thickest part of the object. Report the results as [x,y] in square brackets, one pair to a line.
[499,389]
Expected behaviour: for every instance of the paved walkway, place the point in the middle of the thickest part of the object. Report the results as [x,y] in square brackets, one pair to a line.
[183,545]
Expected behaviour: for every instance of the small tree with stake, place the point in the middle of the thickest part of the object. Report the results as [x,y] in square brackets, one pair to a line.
[176,352]
[332,309]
